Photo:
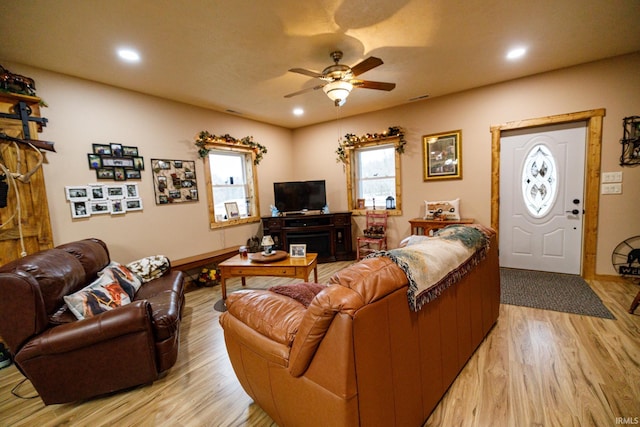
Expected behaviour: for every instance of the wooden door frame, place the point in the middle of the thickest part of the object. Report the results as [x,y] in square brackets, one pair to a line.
[593,119]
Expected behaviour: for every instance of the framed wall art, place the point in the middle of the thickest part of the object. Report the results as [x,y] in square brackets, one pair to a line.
[76,192]
[442,155]
[132,191]
[115,191]
[174,181]
[80,209]
[133,204]
[98,199]
[97,192]
[115,162]
[99,207]
[118,206]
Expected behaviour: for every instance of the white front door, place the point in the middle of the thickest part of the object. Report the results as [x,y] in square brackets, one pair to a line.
[541,198]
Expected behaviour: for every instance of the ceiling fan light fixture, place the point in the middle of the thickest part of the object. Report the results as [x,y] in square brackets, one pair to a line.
[338,90]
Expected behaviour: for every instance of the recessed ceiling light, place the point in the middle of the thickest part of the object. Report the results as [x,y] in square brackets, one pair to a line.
[128,55]
[516,53]
[298,111]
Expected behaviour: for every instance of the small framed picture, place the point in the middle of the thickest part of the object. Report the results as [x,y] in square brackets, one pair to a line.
[133,204]
[232,210]
[164,164]
[360,204]
[177,164]
[122,162]
[129,151]
[102,149]
[118,207]
[138,163]
[132,191]
[80,209]
[100,207]
[116,191]
[104,173]
[116,150]
[132,174]
[298,251]
[119,174]
[97,192]
[78,193]
[95,161]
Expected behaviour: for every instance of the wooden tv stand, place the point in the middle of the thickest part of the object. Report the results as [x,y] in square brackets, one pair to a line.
[328,235]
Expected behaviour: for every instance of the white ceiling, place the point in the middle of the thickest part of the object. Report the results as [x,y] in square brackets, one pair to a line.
[234,55]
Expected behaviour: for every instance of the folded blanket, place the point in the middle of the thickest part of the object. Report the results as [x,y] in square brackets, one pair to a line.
[150,268]
[432,264]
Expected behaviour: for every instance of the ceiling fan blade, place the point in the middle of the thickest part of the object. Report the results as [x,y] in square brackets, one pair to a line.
[306,72]
[368,84]
[300,92]
[366,65]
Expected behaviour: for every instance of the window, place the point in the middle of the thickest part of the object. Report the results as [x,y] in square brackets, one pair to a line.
[376,174]
[539,181]
[373,174]
[231,178]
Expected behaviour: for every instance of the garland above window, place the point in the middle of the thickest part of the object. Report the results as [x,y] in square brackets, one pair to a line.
[205,138]
[350,140]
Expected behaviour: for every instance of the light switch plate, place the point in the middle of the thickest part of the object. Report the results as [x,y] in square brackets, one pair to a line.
[612,176]
[615,188]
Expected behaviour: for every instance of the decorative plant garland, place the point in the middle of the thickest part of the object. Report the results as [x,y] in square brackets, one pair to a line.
[350,140]
[205,138]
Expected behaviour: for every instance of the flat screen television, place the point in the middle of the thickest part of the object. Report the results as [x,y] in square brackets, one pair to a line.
[297,196]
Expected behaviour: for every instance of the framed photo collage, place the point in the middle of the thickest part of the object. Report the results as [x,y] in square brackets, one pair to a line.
[98,199]
[116,162]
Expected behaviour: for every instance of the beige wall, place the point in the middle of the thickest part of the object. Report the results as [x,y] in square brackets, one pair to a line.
[81,113]
[612,84]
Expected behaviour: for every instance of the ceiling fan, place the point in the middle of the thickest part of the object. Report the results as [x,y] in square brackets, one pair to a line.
[340,79]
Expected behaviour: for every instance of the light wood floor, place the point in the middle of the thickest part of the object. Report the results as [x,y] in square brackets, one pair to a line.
[536,368]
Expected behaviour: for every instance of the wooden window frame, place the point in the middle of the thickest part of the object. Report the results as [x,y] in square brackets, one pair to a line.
[351,171]
[252,186]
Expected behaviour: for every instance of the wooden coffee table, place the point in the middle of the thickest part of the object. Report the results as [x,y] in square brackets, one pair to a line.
[298,268]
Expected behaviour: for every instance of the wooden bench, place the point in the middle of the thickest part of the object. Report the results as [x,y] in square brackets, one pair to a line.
[201,260]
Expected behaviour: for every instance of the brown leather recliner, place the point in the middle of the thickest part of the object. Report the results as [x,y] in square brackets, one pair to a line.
[68,359]
[358,356]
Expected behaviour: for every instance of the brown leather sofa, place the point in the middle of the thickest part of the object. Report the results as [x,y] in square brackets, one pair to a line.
[68,359]
[358,356]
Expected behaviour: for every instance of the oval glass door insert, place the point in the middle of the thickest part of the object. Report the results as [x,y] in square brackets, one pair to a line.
[539,181]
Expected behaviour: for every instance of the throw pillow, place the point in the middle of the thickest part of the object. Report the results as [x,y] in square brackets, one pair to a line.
[128,280]
[104,294]
[303,292]
[150,268]
[445,210]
